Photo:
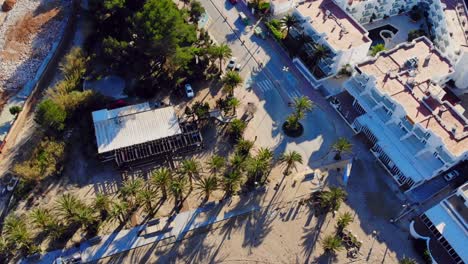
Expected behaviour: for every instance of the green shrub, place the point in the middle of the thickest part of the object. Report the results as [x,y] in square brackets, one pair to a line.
[413,34]
[14,110]
[377,48]
[277,33]
[201,110]
[276,23]
[51,116]
[415,13]
[44,161]
[263,7]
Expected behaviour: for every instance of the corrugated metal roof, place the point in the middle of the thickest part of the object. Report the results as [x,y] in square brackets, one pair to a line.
[131,125]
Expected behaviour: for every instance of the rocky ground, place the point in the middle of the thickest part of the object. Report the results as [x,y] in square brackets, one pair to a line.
[26,36]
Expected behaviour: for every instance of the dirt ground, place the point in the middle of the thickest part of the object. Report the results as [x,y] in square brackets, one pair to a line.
[283,231]
[84,176]
[19,35]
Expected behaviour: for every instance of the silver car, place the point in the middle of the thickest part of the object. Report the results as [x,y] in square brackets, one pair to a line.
[189,91]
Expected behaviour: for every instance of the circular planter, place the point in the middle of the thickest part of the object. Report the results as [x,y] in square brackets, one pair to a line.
[294,133]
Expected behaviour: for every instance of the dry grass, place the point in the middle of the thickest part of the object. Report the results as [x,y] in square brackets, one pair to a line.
[18,36]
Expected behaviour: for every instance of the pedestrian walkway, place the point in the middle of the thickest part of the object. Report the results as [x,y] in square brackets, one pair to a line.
[267,85]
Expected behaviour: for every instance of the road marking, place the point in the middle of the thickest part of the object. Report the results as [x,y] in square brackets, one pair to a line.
[267,85]
[294,93]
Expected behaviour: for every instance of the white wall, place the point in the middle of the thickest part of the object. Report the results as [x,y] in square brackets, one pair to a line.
[461,71]
[279,7]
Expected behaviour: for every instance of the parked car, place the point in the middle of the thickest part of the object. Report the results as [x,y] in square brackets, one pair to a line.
[232,63]
[238,67]
[449,176]
[244,18]
[189,91]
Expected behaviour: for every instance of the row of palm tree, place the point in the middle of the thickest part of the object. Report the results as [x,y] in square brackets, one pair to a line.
[318,52]
[70,212]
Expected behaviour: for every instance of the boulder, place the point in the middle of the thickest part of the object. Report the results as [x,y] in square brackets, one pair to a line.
[8,5]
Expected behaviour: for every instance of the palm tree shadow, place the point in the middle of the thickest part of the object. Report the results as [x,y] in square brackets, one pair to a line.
[311,236]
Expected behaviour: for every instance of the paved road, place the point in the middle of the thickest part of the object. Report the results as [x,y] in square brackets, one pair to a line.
[278,72]
[274,85]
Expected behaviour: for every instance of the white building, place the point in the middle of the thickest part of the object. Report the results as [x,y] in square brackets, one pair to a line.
[415,129]
[448,19]
[329,25]
[445,228]
[363,10]
[279,7]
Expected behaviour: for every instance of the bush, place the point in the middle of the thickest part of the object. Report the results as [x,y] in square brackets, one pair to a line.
[264,6]
[44,161]
[14,110]
[413,34]
[415,13]
[201,110]
[277,34]
[51,116]
[377,48]
[276,23]
[421,248]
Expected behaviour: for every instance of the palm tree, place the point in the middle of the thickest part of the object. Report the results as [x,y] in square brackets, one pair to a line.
[290,158]
[130,189]
[256,168]
[289,21]
[331,244]
[342,145]
[233,103]
[231,80]
[5,248]
[119,211]
[344,220]
[333,198]
[237,161]
[177,188]
[68,205]
[231,182]
[302,105]
[17,232]
[145,197]
[292,122]
[207,186]
[236,127]
[102,204]
[190,168]
[320,52]
[85,217]
[160,178]
[41,217]
[244,146]
[221,52]
[265,154]
[406,260]
[216,164]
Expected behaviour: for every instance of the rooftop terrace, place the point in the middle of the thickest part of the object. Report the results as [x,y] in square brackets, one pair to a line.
[457,20]
[341,30]
[413,90]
